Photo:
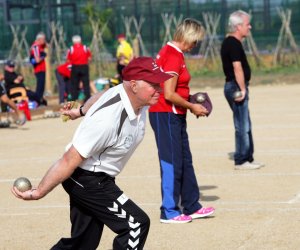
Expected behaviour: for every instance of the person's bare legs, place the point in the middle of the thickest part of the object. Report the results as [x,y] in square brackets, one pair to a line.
[21,119]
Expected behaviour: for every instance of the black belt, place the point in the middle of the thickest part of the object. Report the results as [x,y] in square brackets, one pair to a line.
[83,172]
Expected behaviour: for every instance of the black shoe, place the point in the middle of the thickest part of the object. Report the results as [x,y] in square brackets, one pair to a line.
[44,102]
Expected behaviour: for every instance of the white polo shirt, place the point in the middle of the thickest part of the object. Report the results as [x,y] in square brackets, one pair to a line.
[109,132]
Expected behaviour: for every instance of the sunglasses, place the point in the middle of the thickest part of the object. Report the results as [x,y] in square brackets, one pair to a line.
[195,43]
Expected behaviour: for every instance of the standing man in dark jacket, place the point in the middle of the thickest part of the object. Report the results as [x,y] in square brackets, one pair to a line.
[79,56]
[238,75]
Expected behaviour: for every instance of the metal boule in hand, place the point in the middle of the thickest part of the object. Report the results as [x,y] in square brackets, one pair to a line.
[237,94]
[22,184]
[200,98]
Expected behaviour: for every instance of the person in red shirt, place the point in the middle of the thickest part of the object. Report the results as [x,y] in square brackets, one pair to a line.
[168,121]
[79,56]
[37,59]
[63,75]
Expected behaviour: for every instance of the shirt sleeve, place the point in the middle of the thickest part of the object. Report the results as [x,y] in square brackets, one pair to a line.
[36,51]
[89,53]
[119,51]
[94,135]
[235,52]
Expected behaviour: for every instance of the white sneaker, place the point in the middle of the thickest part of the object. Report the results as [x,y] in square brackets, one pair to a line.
[248,166]
[258,163]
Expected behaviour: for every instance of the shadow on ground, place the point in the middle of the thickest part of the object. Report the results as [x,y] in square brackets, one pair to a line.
[208,197]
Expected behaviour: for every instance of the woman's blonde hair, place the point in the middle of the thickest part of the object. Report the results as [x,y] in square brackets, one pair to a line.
[189,31]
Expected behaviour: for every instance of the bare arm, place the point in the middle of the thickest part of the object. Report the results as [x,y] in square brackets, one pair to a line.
[12,105]
[89,103]
[37,57]
[18,79]
[171,96]
[75,113]
[56,174]
[9,102]
[240,79]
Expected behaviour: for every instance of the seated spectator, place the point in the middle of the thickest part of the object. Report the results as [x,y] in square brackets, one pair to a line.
[16,89]
[21,119]
[15,86]
[63,75]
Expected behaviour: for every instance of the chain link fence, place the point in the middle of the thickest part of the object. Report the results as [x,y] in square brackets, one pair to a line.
[36,15]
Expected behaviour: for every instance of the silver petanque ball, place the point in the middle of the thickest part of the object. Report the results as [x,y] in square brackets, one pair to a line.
[22,184]
[237,94]
[200,98]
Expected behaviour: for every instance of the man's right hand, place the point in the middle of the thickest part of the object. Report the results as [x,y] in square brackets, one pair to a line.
[70,110]
[240,99]
[198,110]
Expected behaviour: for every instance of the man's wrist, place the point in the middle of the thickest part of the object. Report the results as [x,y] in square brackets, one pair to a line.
[81,111]
[32,196]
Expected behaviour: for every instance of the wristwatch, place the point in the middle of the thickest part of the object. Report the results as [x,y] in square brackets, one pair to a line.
[80,111]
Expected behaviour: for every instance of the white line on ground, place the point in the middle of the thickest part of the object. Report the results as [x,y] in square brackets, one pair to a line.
[12,180]
[233,174]
[22,214]
[257,127]
[219,210]
[279,152]
[209,154]
[222,139]
[296,199]
[4,160]
[154,204]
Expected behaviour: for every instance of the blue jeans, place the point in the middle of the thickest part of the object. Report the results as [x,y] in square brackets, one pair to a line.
[178,180]
[241,117]
[63,86]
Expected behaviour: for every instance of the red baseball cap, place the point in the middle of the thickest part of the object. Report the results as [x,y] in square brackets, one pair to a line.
[144,68]
[121,36]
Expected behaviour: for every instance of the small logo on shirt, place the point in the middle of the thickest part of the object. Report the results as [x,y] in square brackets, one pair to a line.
[128,141]
[155,67]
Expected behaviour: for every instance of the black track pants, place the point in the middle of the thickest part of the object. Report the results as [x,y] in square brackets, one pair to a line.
[95,201]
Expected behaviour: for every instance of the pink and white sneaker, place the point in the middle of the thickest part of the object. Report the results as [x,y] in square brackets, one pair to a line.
[178,219]
[203,212]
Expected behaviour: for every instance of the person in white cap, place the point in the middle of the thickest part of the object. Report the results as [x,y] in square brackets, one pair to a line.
[79,56]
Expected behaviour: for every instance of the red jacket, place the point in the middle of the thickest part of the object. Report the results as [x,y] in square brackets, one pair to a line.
[36,50]
[64,69]
[79,54]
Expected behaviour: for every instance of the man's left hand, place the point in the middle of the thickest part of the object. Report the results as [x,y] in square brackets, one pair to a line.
[32,194]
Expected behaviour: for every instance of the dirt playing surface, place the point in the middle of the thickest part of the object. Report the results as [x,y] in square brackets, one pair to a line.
[255,209]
